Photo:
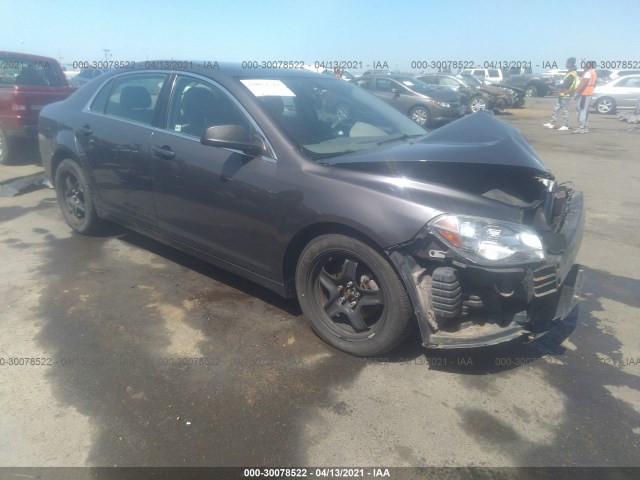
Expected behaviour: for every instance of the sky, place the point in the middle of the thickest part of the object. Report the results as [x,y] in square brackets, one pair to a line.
[391,31]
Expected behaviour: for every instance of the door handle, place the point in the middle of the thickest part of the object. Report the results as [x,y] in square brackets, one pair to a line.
[85,130]
[164,152]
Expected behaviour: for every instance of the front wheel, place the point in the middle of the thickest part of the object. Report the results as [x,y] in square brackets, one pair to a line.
[75,198]
[420,115]
[531,91]
[477,104]
[352,297]
[605,105]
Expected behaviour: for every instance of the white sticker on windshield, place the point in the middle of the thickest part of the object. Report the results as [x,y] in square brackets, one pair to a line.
[408,83]
[268,88]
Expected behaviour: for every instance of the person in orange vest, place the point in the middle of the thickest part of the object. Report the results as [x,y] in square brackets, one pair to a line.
[583,96]
[567,88]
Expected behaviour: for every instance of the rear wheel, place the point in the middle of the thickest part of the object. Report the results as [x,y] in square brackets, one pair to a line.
[5,149]
[605,105]
[75,198]
[351,296]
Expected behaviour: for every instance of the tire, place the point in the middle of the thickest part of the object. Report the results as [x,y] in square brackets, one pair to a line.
[6,149]
[531,91]
[357,316]
[605,105]
[343,111]
[477,104]
[421,115]
[75,198]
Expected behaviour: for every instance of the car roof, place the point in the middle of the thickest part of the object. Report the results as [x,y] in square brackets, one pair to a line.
[635,75]
[27,56]
[436,75]
[216,68]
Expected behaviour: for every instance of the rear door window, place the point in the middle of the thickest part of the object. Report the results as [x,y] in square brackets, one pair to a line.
[629,82]
[100,101]
[134,96]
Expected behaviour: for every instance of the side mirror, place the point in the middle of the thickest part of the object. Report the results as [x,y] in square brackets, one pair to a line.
[395,91]
[235,137]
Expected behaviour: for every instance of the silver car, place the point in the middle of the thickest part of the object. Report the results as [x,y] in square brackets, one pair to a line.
[622,92]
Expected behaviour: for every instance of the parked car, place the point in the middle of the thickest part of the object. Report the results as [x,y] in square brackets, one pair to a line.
[490,75]
[502,96]
[423,104]
[371,222]
[619,93]
[622,73]
[27,83]
[85,76]
[376,71]
[532,84]
[69,71]
[472,96]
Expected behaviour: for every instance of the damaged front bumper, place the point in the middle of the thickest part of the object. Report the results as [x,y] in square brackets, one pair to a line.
[461,305]
[529,323]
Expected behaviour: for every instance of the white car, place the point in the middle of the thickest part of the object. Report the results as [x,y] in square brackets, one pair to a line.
[490,75]
[622,92]
[622,73]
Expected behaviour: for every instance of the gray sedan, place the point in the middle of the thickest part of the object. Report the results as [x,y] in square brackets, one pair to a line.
[623,92]
[423,103]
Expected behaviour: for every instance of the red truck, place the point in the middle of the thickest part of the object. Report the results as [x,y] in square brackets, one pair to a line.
[27,83]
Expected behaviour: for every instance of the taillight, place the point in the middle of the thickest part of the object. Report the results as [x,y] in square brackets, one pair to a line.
[18,104]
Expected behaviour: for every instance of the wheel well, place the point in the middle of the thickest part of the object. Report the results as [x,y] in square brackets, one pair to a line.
[57,158]
[420,105]
[302,239]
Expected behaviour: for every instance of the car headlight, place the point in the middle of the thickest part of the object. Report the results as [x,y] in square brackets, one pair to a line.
[487,241]
[442,104]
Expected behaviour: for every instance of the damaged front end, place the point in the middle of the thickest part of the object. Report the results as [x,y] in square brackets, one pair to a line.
[480,276]
[494,258]
[477,281]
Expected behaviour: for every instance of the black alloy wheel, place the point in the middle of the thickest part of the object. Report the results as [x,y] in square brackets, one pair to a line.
[75,198]
[351,295]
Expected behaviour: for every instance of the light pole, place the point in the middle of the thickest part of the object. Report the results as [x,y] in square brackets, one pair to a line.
[107,53]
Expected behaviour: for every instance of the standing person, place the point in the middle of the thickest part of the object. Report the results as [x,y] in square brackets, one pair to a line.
[584,93]
[567,87]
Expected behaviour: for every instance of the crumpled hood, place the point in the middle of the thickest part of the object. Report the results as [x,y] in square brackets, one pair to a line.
[477,154]
[479,138]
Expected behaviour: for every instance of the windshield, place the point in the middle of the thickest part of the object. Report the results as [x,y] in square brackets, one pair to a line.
[327,116]
[471,80]
[415,85]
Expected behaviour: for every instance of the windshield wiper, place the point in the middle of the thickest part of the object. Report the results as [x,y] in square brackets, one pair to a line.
[403,137]
[322,156]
